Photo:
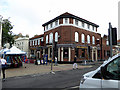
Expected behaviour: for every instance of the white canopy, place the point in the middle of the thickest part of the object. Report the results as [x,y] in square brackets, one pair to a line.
[3,51]
[14,50]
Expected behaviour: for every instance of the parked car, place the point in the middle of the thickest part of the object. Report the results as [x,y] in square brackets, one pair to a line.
[106,76]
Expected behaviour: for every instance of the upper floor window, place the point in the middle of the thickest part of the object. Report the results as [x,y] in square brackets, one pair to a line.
[76,22]
[38,41]
[76,37]
[66,20]
[42,39]
[83,38]
[56,22]
[56,37]
[46,38]
[93,40]
[88,38]
[88,26]
[93,28]
[46,27]
[33,42]
[51,25]
[107,42]
[51,38]
[83,24]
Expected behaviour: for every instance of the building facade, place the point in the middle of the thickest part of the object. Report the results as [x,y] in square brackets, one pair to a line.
[73,36]
[36,46]
[23,44]
[105,48]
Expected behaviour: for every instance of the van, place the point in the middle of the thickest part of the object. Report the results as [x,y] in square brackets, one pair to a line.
[105,76]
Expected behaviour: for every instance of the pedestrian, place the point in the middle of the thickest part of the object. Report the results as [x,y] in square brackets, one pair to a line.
[3,65]
[46,59]
[55,61]
[75,64]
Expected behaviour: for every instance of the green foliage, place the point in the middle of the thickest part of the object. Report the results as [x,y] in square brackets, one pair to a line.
[7,35]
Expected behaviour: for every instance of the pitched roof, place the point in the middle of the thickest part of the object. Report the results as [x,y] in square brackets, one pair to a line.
[37,36]
[68,15]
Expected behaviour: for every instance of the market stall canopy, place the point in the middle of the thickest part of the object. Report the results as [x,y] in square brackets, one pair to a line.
[3,51]
[14,50]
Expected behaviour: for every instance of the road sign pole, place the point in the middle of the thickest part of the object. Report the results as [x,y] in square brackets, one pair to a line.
[52,58]
[110,30]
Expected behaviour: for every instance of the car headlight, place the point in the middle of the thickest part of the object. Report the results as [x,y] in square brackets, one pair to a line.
[82,80]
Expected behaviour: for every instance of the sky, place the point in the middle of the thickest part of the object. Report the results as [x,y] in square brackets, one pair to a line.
[27,16]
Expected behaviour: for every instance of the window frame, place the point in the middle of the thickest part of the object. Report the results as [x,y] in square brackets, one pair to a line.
[83,38]
[88,39]
[76,37]
[93,40]
[51,37]
[56,36]
[46,39]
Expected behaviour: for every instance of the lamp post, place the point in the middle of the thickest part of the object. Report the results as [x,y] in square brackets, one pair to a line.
[1,31]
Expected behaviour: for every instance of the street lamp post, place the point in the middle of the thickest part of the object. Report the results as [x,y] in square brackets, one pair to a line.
[1,31]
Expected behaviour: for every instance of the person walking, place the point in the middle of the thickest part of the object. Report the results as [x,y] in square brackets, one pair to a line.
[55,61]
[46,59]
[75,64]
[3,64]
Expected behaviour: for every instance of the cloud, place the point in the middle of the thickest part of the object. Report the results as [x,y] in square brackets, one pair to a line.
[27,16]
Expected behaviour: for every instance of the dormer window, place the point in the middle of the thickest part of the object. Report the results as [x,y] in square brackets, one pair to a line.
[83,24]
[46,27]
[51,25]
[93,28]
[88,26]
[76,22]
[66,20]
[56,22]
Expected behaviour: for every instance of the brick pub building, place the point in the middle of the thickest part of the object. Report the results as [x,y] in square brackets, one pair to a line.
[73,36]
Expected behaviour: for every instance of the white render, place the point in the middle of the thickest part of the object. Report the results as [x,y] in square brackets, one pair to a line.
[23,44]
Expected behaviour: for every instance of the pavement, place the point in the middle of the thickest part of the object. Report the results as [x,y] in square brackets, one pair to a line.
[29,69]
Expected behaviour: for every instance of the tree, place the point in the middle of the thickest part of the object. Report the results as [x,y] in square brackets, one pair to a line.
[7,35]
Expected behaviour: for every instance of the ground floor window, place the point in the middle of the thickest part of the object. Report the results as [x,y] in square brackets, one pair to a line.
[46,51]
[56,53]
[83,53]
[76,52]
[98,53]
[50,52]
[65,53]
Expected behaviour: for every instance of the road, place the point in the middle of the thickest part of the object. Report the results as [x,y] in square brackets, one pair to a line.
[60,80]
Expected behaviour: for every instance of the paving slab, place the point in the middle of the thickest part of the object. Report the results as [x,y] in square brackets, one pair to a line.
[28,69]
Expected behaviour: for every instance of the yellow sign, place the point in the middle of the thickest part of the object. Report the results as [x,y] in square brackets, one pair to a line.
[81,47]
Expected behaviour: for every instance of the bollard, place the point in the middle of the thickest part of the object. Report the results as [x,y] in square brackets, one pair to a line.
[85,62]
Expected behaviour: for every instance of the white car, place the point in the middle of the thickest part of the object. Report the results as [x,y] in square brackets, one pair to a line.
[104,77]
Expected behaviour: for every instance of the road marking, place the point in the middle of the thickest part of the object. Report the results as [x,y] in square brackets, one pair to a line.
[75,87]
[71,88]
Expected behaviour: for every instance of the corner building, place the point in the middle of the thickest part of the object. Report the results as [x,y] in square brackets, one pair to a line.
[73,36]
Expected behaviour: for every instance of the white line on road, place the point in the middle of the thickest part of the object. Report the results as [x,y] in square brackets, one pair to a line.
[71,88]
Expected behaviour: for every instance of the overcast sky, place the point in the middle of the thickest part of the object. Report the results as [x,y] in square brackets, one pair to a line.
[27,16]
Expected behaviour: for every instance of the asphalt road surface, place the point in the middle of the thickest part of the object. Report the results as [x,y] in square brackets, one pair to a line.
[64,80]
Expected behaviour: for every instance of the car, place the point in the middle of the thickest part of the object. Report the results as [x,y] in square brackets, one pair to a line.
[105,76]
